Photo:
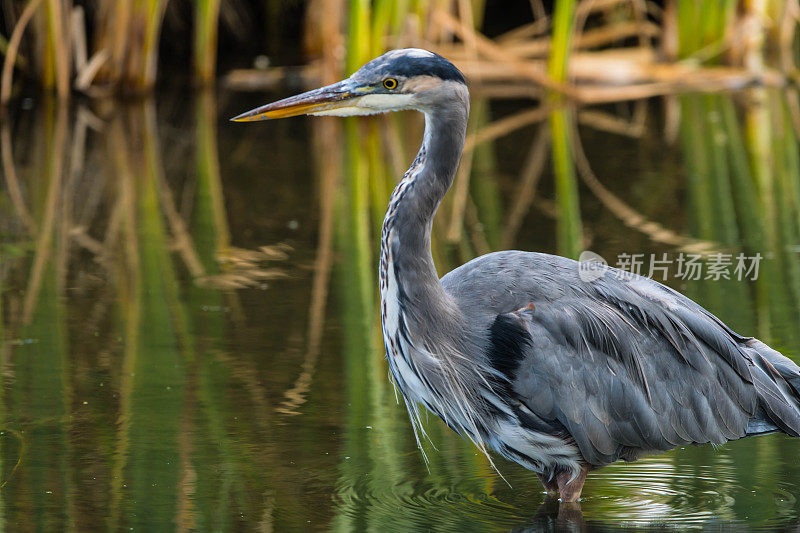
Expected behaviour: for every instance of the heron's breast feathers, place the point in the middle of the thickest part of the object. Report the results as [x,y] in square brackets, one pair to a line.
[470,391]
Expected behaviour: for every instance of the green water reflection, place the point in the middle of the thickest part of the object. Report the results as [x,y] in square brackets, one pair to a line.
[190,336]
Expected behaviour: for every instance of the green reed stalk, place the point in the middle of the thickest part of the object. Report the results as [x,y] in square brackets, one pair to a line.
[689,37]
[704,23]
[401,10]
[563,21]
[420,8]
[206,25]
[569,228]
[359,36]
[381,20]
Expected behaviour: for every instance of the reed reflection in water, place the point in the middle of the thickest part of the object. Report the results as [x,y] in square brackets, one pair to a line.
[190,332]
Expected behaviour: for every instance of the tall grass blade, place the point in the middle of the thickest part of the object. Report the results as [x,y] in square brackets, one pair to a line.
[358,36]
[569,228]
[206,17]
[563,22]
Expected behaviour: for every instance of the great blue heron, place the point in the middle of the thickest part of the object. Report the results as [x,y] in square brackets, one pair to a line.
[519,353]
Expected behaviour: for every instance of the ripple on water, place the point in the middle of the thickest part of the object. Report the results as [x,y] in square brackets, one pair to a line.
[662,491]
[411,506]
[669,489]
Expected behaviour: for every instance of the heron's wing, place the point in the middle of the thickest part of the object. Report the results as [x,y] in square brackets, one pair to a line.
[618,390]
[623,363]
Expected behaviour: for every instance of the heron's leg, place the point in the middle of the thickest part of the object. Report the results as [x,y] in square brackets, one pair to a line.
[571,490]
[549,483]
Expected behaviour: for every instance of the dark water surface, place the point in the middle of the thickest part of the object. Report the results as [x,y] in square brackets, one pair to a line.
[190,332]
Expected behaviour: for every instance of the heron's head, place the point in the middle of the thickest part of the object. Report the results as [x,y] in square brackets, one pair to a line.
[401,79]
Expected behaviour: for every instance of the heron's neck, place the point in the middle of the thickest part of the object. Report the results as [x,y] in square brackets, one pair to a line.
[409,219]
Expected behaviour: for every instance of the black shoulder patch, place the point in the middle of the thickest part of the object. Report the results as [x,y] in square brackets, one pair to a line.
[508,340]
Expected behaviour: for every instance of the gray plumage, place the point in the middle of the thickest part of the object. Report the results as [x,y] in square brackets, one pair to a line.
[624,364]
[514,350]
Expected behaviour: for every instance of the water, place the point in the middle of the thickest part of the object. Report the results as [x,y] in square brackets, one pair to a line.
[190,334]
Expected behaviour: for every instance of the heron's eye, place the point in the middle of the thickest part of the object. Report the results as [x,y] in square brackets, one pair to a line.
[390,83]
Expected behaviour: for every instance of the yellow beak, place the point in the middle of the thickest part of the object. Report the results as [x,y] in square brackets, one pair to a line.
[325,98]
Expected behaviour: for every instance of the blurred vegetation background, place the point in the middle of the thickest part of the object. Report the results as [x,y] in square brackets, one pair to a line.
[190,332]
[102,47]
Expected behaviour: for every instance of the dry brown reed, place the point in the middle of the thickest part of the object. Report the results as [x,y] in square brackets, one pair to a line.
[634,46]
[121,58]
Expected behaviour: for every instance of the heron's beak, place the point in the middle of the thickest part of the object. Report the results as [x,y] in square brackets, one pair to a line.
[322,99]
